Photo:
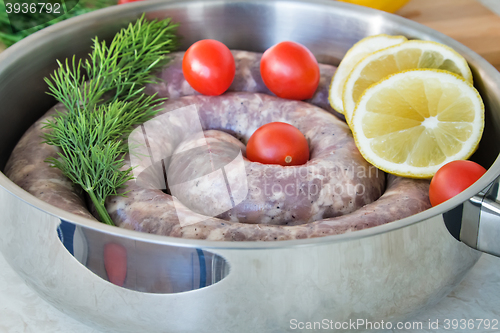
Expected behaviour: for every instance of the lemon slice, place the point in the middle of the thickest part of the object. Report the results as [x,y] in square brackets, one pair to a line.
[357,52]
[413,122]
[386,5]
[408,55]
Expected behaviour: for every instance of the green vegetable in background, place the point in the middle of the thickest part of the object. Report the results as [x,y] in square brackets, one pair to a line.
[104,105]
[28,23]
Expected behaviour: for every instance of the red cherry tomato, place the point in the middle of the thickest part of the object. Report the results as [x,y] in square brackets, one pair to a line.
[452,178]
[115,263]
[278,143]
[121,2]
[290,71]
[209,67]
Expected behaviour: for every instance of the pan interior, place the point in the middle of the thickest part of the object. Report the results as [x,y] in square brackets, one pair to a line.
[327,28]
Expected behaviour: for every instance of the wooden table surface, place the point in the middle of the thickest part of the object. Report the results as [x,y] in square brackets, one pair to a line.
[467,21]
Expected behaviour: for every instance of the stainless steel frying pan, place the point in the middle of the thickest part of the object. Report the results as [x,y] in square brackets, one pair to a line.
[176,285]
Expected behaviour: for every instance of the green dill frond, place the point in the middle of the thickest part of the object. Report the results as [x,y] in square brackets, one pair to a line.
[104,105]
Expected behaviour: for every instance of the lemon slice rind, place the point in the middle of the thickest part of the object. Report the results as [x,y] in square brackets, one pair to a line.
[446,52]
[357,52]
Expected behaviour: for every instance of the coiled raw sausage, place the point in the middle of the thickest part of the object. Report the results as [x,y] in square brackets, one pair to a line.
[153,211]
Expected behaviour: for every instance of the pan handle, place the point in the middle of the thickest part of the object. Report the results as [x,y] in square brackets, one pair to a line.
[477,221]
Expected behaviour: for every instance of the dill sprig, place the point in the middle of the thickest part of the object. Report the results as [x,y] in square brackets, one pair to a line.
[104,100]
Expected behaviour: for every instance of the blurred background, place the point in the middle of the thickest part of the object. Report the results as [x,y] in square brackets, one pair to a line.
[474,23]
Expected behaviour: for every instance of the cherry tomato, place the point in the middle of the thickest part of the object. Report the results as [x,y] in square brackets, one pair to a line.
[209,67]
[121,2]
[452,178]
[115,263]
[290,71]
[278,143]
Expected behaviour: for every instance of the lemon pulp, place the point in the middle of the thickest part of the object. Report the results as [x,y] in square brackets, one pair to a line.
[413,122]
